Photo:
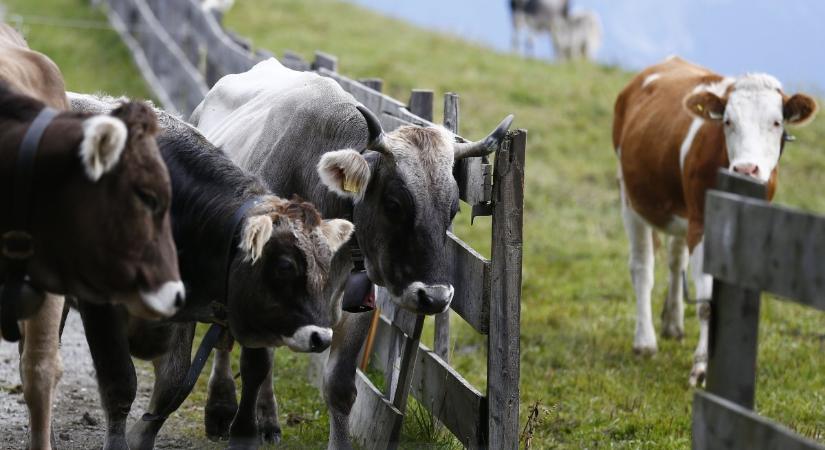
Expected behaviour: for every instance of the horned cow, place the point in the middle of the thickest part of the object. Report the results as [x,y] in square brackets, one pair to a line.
[675,125]
[305,135]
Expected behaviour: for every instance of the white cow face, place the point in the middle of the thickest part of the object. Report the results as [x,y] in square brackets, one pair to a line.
[753,117]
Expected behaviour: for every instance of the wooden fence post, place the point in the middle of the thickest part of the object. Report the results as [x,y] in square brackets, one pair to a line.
[325,61]
[734,320]
[376,84]
[503,364]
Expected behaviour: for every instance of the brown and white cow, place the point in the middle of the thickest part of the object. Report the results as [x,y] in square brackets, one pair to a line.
[99,216]
[675,125]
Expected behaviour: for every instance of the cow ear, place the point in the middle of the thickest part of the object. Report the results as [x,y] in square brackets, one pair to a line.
[104,138]
[256,232]
[345,172]
[337,232]
[799,109]
[705,105]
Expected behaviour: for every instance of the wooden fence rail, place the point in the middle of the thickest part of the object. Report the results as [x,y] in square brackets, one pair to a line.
[750,246]
[182,51]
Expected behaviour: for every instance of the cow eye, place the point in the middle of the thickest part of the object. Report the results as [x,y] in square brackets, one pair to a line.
[776,123]
[149,199]
[394,207]
[284,267]
[727,122]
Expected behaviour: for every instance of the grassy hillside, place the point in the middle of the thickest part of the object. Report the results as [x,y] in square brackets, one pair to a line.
[577,313]
[578,309]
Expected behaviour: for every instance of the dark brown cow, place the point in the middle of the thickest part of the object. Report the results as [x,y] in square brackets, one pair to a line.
[675,125]
[98,213]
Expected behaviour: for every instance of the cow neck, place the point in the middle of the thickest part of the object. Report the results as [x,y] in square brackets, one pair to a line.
[17,242]
[233,231]
[359,290]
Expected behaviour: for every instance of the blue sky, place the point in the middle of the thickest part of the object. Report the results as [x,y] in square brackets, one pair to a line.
[785,38]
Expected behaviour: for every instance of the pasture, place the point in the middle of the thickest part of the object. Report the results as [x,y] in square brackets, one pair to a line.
[578,371]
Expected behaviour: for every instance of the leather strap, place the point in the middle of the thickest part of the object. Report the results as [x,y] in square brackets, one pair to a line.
[17,243]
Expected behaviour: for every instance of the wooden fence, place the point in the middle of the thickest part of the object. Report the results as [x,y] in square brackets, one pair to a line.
[182,50]
[751,246]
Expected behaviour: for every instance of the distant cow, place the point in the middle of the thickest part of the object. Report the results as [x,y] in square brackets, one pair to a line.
[675,125]
[305,135]
[576,36]
[97,214]
[536,16]
[266,283]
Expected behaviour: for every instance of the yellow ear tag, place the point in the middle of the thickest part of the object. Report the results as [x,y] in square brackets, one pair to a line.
[350,185]
[699,107]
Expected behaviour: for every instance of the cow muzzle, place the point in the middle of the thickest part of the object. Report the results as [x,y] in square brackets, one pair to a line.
[160,303]
[427,299]
[309,338]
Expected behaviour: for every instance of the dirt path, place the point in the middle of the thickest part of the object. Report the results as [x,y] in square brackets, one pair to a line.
[78,418]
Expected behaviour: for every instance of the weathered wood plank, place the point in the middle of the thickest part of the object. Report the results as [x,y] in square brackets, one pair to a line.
[734,322]
[766,247]
[401,318]
[325,61]
[440,389]
[294,61]
[719,424]
[503,356]
[178,82]
[421,103]
[470,275]
[450,398]
[374,423]
[376,84]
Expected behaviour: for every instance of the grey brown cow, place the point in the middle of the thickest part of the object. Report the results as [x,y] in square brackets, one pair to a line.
[98,214]
[303,134]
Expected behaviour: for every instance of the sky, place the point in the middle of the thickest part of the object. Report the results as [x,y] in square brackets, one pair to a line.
[785,38]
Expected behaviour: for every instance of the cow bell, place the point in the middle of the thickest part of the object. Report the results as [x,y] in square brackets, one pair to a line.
[359,293]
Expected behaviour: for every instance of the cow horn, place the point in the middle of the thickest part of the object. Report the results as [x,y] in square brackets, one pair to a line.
[377,140]
[484,146]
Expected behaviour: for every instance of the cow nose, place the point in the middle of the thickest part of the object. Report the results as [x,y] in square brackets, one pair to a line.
[434,299]
[179,300]
[747,169]
[319,342]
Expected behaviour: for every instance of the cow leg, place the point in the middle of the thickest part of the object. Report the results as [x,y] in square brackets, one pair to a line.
[41,368]
[170,373]
[221,404]
[267,407]
[641,272]
[256,364]
[106,335]
[673,313]
[704,288]
[339,375]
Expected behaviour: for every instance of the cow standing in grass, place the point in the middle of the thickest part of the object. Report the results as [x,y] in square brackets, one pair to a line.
[675,125]
[92,230]
[303,134]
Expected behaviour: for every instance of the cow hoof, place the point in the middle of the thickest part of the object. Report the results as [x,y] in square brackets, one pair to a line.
[645,350]
[697,375]
[270,431]
[673,331]
[217,420]
[243,443]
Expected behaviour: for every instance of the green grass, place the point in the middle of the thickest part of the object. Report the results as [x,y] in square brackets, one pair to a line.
[578,306]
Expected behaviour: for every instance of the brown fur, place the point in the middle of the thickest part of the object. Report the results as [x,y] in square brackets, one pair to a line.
[649,127]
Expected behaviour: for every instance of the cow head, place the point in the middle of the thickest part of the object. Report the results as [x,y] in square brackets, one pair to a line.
[753,112]
[405,198]
[100,216]
[278,276]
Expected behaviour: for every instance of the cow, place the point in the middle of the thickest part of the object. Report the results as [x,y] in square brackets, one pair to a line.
[675,125]
[303,134]
[98,215]
[535,16]
[576,36]
[271,286]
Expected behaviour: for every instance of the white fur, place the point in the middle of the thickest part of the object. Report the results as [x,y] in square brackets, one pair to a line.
[688,142]
[754,105]
[650,79]
[335,166]
[301,340]
[337,232]
[162,301]
[256,233]
[439,292]
[104,138]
